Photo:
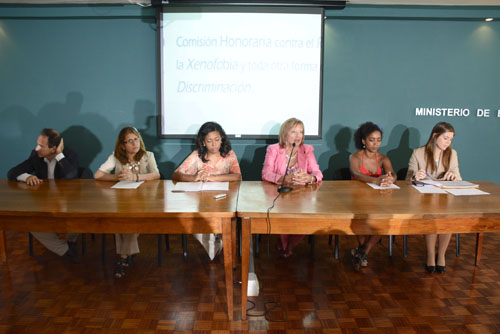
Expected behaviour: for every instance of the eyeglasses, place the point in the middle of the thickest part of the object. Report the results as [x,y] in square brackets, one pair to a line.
[130,141]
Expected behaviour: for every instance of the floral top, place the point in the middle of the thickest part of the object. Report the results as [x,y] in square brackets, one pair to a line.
[226,165]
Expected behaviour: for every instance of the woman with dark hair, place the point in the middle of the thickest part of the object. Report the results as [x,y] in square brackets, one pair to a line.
[438,161]
[368,165]
[130,162]
[302,169]
[213,160]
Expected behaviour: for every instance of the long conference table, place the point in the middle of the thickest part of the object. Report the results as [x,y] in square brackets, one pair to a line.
[331,207]
[353,207]
[88,206]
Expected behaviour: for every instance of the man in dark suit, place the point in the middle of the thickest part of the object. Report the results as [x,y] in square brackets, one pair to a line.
[50,160]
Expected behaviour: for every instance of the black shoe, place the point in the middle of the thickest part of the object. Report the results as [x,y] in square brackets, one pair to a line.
[430,269]
[358,259]
[73,246]
[441,269]
[72,252]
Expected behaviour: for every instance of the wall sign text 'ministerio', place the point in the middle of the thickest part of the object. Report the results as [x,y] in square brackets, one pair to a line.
[456,112]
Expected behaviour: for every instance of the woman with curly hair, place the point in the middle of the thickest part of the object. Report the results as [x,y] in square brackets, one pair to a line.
[213,160]
[369,165]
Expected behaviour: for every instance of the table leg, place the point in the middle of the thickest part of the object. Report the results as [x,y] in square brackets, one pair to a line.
[479,247]
[228,264]
[245,262]
[3,250]
[234,227]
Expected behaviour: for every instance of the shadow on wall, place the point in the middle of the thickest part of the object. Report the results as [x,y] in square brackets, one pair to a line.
[252,161]
[75,127]
[86,144]
[338,139]
[400,156]
[145,113]
[22,127]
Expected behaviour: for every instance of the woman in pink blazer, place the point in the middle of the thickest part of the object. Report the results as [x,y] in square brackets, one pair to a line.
[303,168]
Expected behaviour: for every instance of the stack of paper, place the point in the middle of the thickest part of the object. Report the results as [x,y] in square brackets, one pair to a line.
[451,184]
[457,188]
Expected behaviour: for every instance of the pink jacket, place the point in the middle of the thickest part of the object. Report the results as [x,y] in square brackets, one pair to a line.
[275,162]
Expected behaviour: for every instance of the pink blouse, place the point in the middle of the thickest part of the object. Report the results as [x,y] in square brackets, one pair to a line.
[275,162]
[226,165]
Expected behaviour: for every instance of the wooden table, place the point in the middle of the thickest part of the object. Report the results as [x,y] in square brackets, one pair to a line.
[88,206]
[352,207]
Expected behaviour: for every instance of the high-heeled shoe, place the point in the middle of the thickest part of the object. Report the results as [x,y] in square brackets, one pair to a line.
[364,261]
[441,269]
[286,254]
[430,269]
[358,259]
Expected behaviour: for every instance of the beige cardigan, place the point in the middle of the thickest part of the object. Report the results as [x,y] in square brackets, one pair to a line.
[418,161]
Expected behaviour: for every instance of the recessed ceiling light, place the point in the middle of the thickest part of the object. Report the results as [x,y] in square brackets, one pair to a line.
[489,19]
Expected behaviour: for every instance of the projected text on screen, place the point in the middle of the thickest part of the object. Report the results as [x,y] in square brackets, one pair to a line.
[247,71]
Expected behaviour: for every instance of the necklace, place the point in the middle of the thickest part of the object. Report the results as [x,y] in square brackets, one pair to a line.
[134,165]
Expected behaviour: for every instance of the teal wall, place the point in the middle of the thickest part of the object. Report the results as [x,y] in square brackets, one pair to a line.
[90,70]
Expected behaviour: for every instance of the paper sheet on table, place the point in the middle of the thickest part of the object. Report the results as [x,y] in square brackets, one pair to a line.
[127,185]
[450,184]
[374,186]
[466,192]
[201,186]
[429,190]
[222,186]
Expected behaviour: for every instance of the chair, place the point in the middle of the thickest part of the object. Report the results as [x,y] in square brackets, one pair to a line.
[401,175]
[167,242]
[338,174]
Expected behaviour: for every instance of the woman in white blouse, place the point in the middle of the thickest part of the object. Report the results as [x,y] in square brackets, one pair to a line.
[130,162]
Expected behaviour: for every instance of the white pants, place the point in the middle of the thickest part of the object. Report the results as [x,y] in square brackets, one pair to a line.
[53,243]
[126,244]
[211,242]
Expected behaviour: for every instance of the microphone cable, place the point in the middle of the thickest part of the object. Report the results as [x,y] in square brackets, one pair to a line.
[268,308]
[268,212]
[268,221]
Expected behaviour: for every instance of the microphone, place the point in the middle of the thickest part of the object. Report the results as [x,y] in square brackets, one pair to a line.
[282,188]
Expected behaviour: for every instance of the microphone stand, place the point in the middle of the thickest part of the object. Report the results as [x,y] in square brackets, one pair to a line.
[282,188]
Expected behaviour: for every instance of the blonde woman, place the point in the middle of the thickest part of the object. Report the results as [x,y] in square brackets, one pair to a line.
[302,169]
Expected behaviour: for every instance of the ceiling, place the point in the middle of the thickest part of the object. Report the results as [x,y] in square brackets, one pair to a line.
[429,2]
[364,2]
